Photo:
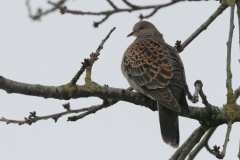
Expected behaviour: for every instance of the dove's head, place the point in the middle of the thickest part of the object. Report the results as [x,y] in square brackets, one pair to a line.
[143,28]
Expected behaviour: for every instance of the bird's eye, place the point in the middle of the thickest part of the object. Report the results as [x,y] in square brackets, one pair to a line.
[141,28]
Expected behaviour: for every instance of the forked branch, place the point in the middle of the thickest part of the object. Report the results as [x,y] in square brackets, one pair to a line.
[115,10]
[93,58]
[40,12]
[204,26]
[203,143]
[223,153]
[188,145]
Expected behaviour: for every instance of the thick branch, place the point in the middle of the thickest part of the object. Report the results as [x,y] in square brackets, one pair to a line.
[200,132]
[41,13]
[94,90]
[204,26]
[203,143]
[187,146]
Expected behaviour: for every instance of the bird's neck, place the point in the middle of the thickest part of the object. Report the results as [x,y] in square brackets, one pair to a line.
[154,35]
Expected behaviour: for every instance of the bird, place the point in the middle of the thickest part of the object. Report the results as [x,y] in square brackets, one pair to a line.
[153,68]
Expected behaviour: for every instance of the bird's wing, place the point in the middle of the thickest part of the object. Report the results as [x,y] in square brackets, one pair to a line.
[147,62]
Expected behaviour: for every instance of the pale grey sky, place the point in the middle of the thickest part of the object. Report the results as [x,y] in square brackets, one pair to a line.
[50,52]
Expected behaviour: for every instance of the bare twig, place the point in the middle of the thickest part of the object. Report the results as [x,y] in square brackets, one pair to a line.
[130,4]
[132,8]
[204,26]
[229,46]
[112,4]
[238,13]
[223,153]
[89,110]
[188,145]
[106,103]
[203,143]
[93,58]
[33,118]
[41,13]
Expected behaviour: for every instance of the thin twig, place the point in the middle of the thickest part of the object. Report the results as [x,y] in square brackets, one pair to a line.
[203,143]
[132,8]
[106,103]
[34,118]
[130,4]
[93,58]
[41,13]
[112,4]
[88,110]
[238,13]
[229,46]
[223,153]
[204,26]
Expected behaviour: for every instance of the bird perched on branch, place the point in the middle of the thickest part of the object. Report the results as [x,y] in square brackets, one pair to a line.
[154,69]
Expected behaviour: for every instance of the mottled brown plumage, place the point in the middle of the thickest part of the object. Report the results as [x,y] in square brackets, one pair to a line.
[154,69]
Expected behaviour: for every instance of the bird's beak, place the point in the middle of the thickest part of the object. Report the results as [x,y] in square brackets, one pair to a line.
[131,34]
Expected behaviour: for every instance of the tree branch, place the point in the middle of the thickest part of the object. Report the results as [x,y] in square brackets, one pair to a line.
[106,103]
[237,93]
[223,153]
[33,118]
[112,4]
[238,13]
[204,26]
[68,91]
[89,110]
[200,132]
[229,46]
[203,143]
[187,146]
[198,84]
[209,149]
[93,58]
[41,13]
[132,8]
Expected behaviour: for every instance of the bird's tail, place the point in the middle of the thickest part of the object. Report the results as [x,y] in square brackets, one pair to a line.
[169,126]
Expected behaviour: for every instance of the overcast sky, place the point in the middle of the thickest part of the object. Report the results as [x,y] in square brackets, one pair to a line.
[49,52]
